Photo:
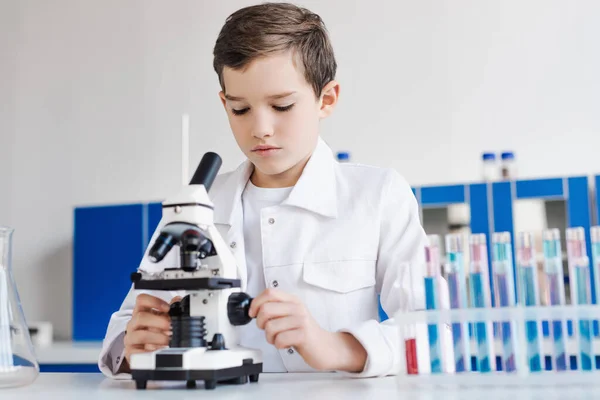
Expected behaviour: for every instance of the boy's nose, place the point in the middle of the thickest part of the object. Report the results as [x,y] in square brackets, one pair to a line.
[260,134]
[262,126]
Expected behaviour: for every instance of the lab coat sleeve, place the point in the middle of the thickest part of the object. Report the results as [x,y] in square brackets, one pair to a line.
[400,261]
[112,353]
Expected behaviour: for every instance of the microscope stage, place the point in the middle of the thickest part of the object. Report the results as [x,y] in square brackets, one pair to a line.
[183,282]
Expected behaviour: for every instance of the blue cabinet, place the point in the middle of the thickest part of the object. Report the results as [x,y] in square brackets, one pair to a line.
[476,196]
[109,242]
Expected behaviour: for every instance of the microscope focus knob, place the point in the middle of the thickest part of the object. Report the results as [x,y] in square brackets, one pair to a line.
[238,306]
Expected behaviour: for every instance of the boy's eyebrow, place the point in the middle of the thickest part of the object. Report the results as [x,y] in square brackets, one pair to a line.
[281,95]
[272,97]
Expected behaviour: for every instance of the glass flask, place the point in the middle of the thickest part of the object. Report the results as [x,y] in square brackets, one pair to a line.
[18,364]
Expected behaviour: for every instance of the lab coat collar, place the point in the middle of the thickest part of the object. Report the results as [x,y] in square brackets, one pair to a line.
[315,191]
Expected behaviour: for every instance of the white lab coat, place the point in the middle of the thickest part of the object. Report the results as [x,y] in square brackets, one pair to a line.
[345,234]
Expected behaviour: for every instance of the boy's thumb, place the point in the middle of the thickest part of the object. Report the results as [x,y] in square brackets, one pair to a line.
[175,299]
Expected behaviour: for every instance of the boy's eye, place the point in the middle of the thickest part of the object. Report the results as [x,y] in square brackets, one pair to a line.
[240,112]
[283,109]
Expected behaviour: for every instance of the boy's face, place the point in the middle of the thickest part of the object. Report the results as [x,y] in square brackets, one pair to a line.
[274,113]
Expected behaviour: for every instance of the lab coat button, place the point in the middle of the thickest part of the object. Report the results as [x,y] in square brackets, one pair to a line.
[275,283]
[271,221]
[290,351]
[233,245]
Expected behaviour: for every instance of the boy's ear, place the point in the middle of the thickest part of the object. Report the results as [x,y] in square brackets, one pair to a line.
[329,98]
[223,99]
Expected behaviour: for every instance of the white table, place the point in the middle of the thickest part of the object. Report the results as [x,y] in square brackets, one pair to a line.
[277,386]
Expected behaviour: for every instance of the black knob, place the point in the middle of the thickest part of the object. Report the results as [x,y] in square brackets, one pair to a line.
[136,277]
[180,308]
[218,342]
[238,306]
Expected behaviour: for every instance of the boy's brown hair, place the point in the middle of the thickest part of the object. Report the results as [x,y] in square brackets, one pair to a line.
[260,30]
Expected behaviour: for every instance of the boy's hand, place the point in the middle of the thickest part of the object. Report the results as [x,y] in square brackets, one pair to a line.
[287,323]
[149,328]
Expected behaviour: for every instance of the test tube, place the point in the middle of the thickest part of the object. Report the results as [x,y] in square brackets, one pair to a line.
[457,290]
[432,299]
[595,233]
[529,295]
[504,293]
[480,297]
[553,268]
[579,282]
[413,293]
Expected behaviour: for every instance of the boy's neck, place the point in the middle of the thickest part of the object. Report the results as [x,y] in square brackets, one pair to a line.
[285,179]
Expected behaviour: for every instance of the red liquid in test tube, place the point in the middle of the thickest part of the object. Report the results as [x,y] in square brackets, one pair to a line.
[412,365]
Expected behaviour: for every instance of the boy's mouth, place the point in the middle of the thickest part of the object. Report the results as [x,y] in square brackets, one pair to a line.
[265,150]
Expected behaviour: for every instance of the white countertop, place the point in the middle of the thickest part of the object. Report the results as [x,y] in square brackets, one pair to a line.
[279,386]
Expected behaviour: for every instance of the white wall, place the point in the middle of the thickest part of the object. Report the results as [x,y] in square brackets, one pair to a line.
[91,95]
[7,109]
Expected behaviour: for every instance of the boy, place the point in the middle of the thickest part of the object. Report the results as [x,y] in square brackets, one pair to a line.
[315,241]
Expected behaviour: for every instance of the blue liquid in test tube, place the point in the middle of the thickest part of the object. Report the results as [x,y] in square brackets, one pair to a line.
[480,297]
[457,289]
[553,268]
[579,272]
[529,295]
[595,233]
[504,293]
[432,299]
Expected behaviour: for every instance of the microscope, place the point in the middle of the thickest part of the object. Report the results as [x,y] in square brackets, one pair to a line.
[204,344]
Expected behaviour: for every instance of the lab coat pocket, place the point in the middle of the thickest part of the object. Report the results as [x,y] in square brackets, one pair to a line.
[340,294]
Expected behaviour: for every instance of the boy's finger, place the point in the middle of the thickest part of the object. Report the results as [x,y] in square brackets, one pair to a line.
[145,302]
[159,330]
[273,310]
[154,347]
[145,338]
[276,326]
[130,342]
[269,295]
[145,320]
[288,338]
[176,299]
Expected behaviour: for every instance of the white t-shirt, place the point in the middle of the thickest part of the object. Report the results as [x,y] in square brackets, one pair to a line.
[254,200]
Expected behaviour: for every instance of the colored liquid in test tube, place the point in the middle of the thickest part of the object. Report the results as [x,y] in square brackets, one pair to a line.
[457,290]
[432,299]
[553,268]
[480,297]
[579,274]
[595,233]
[504,294]
[529,295]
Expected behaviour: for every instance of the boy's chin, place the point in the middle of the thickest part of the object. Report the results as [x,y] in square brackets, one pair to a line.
[272,167]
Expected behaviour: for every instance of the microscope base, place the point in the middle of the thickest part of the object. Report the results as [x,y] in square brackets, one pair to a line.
[214,367]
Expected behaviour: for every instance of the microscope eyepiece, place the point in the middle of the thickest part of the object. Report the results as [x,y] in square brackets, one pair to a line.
[207,170]
[161,247]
